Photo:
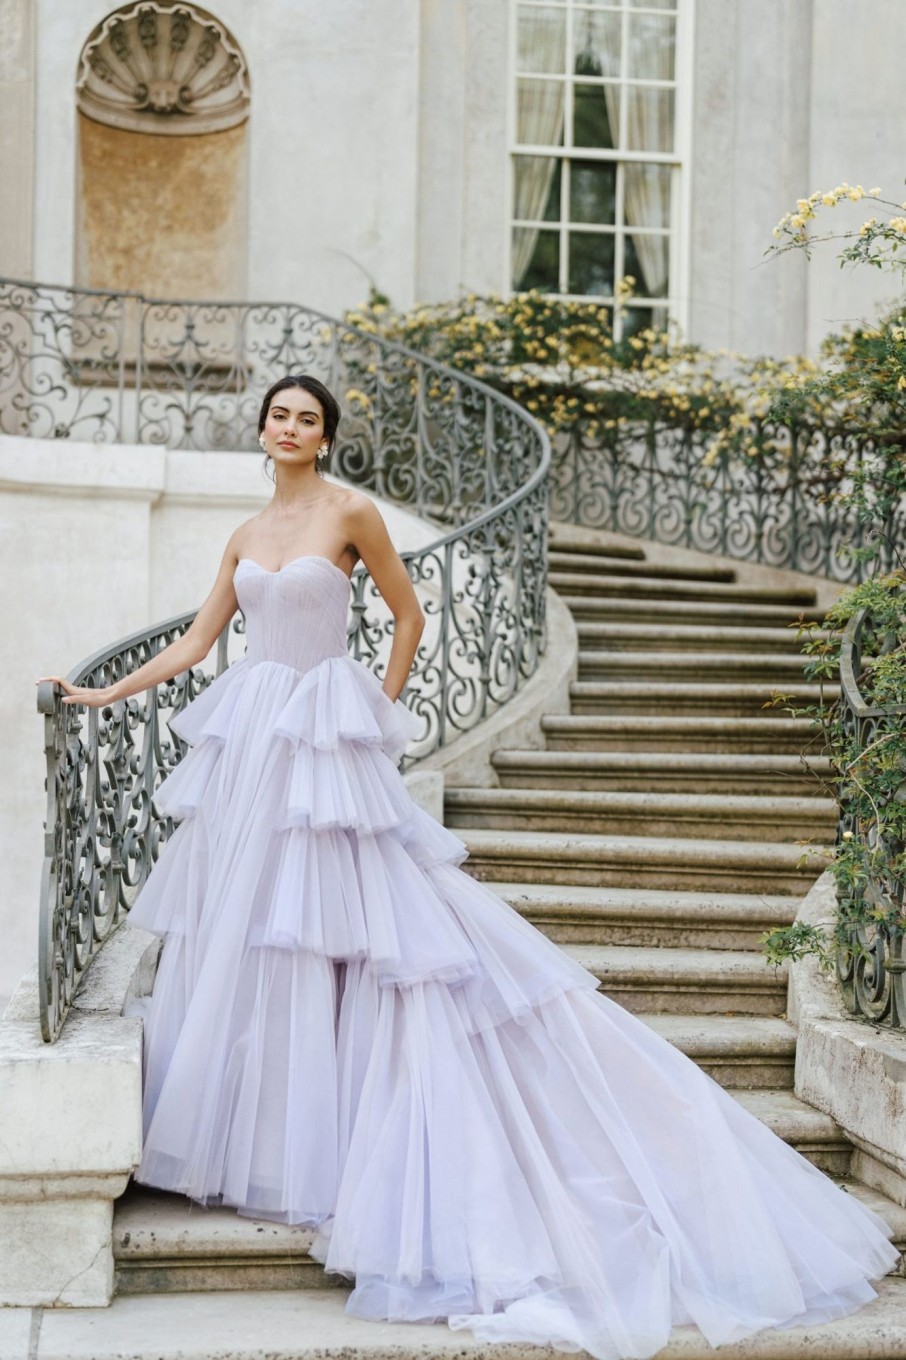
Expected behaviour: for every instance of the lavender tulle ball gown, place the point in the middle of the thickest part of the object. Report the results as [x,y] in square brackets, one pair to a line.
[347,1030]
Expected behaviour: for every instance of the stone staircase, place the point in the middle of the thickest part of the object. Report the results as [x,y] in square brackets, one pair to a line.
[656,836]
[661,830]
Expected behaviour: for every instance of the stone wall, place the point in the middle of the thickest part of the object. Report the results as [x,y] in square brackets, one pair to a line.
[378,151]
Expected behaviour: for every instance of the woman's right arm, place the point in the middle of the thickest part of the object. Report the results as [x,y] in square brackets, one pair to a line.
[186,651]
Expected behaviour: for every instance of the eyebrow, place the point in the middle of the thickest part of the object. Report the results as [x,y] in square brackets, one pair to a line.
[306,411]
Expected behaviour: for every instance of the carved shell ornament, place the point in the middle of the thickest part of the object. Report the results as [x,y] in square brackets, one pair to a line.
[158,67]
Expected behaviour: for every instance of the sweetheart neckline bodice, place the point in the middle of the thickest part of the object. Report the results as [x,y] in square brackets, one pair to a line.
[295,616]
[305,557]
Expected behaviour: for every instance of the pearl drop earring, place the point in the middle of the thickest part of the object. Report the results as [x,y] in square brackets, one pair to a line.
[261,441]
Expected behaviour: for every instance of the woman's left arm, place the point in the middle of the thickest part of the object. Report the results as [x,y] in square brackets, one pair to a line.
[368,535]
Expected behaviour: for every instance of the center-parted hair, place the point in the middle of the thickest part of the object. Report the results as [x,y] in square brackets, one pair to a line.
[330,407]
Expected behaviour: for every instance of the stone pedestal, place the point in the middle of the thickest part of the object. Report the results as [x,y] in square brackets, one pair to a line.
[70,1133]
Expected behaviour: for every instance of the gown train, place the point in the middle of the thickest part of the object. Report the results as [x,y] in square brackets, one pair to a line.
[348,1031]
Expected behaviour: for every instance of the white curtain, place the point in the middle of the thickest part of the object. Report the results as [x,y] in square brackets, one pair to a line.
[539,122]
[648,126]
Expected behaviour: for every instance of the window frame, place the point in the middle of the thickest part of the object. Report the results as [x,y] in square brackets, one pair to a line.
[679,160]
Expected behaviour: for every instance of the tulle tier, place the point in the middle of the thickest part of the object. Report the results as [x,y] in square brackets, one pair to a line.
[349,1031]
[297,832]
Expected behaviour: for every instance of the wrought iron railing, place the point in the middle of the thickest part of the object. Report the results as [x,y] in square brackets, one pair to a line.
[79,364]
[871,964]
[105,367]
[779,503]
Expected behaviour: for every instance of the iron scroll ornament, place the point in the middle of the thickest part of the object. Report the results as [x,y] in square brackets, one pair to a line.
[871,962]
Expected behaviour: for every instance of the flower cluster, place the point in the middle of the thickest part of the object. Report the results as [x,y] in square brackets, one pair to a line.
[877,241]
[560,360]
[794,224]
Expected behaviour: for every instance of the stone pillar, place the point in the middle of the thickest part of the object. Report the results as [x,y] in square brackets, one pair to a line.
[17,122]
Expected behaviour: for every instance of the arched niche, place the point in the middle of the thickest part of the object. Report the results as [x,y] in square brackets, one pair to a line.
[163,104]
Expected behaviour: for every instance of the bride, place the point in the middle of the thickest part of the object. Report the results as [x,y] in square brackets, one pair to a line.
[348,1031]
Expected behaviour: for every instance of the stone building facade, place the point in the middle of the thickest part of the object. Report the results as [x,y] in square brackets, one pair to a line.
[431,147]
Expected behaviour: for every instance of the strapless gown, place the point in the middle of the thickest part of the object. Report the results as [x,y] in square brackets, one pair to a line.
[348,1031]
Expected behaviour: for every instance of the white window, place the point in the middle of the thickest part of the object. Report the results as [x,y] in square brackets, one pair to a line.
[595,157]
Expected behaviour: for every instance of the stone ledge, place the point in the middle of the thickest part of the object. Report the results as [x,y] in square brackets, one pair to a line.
[311,1325]
[850,1069]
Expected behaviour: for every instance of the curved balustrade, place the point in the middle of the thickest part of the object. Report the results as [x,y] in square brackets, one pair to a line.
[779,505]
[119,367]
[872,967]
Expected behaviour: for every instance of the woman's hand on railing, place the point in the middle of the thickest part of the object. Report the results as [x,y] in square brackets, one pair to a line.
[183,653]
[80,694]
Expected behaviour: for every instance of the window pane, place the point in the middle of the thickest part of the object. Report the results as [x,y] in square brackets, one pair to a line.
[536,260]
[634,320]
[596,112]
[651,46]
[541,41]
[539,112]
[651,4]
[537,195]
[647,195]
[592,191]
[648,115]
[591,264]
[647,260]
[597,39]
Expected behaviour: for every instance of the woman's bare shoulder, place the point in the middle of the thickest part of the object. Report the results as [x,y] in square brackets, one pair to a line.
[240,535]
[356,505]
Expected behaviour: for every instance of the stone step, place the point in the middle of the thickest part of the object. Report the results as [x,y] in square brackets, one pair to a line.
[678,637]
[164,1243]
[685,981]
[893,1214]
[661,772]
[723,816]
[739,1052]
[813,1134]
[774,670]
[707,613]
[645,581]
[688,699]
[312,1325]
[641,862]
[562,539]
[730,736]
[579,566]
[577,914]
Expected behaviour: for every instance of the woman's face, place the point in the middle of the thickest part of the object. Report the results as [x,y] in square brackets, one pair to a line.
[294,428]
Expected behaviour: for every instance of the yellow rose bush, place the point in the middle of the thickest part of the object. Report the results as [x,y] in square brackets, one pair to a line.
[862,383]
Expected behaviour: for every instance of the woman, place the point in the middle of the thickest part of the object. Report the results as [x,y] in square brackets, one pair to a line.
[347,1030]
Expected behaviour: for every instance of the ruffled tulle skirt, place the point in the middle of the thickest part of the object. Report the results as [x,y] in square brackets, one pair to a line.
[348,1031]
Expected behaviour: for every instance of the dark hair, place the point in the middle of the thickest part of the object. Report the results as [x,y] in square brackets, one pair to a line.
[330,407]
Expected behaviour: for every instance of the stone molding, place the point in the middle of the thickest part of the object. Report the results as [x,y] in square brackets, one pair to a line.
[166,68]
